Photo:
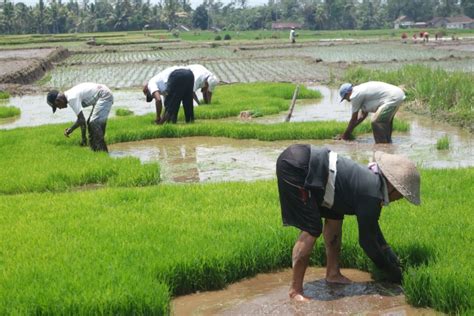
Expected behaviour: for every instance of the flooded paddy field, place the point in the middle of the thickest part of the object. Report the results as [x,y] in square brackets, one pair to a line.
[156,210]
[203,159]
[310,62]
[266,294]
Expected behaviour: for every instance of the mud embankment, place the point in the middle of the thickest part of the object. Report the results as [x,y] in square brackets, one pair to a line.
[25,67]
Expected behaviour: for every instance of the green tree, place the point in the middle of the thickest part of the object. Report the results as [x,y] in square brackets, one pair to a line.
[468,8]
[200,17]
[8,15]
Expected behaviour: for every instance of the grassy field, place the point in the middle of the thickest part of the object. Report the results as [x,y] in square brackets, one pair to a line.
[446,95]
[9,111]
[128,250]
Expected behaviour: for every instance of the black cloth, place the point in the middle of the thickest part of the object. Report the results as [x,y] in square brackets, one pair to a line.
[301,207]
[180,88]
[97,135]
[302,172]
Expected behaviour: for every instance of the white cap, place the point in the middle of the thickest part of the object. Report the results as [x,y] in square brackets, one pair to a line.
[212,81]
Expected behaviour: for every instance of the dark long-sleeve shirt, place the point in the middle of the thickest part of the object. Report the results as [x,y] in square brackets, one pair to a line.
[359,192]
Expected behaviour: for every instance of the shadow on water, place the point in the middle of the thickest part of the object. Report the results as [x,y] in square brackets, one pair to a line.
[267,294]
[321,290]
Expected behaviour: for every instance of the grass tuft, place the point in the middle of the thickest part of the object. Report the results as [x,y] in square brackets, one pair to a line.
[123,112]
[9,111]
[4,95]
[442,143]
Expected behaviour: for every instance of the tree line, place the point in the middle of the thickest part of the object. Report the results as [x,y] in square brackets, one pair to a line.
[127,15]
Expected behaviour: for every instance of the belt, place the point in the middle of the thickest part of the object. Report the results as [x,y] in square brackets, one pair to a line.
[328,199]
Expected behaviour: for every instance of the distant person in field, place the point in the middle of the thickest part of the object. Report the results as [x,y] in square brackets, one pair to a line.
[377,97]
[204,80]
[293,35]
[316,183]
[404,38]
[175,85]
[426,36]
[87,94]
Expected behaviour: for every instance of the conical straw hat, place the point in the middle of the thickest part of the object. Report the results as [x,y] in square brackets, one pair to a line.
[401,173]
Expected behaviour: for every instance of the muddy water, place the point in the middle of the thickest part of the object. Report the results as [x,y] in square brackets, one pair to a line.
[35,111]
[268,294]
[203,159]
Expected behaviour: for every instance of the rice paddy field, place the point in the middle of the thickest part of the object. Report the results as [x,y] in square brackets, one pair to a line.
[91,233]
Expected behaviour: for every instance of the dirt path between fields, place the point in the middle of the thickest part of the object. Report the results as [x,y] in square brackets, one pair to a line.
[25,66]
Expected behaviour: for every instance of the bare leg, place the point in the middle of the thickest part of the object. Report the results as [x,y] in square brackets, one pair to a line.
[332,232]
[301,253]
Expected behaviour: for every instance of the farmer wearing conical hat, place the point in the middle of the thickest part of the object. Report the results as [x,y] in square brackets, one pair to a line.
[204,80]
[87,94]
[316,183]
[377,97]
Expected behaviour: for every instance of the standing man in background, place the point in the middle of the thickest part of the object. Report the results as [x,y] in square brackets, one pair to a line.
[293,35]
[380,98]
[84,95]
[175,84]
[204,80]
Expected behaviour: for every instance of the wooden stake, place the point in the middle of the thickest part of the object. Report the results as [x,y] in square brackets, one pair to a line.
[293,102]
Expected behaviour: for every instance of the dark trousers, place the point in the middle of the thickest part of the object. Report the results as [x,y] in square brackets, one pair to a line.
[96,135]
[180,89]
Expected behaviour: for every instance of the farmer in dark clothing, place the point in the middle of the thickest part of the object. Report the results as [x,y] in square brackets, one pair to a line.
[176,85]
[314,183]
[86,94]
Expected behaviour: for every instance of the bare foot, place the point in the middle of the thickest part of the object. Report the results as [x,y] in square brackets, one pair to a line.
[296,297]
[338,279]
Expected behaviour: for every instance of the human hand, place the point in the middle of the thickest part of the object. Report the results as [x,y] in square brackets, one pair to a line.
[67,132]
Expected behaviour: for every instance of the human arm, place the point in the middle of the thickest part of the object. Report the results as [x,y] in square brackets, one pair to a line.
[158,106]
[80,122]
[374,245]
[355,120]
[196,98]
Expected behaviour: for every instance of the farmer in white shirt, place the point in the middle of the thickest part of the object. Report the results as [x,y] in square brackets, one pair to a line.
[175,84]
[204,80]
[380,98]
[293,35]
[78,97]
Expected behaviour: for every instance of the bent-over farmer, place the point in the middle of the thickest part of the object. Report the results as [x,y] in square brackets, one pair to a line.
[316,183]
[175,84]
[380,98]
[78,97]
[204,80]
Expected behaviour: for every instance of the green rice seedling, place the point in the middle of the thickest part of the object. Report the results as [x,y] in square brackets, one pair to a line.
[4,95]
[442,143]
[41,159]
[129,250]
[9,111]
[123,112]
